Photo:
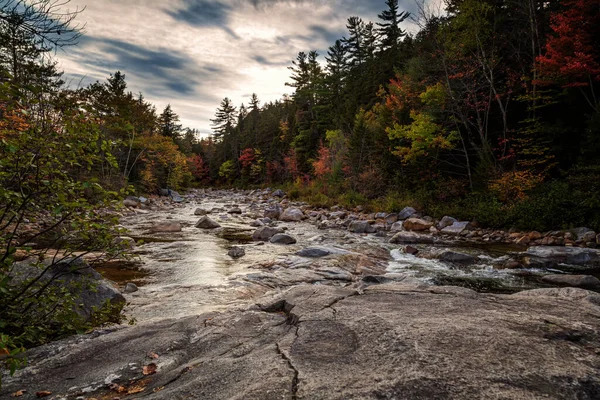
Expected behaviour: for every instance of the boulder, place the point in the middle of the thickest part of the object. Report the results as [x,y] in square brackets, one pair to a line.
[397,226]
[292,215]
[579,281]
[125,242]
[235,210]
[411,250]
[201,212]
[265,233]
[278,193]
[130,288]
[457,257]
[406,213]
[282,238]
[338,215]
[456,228]
[236,252]
[411,238]
[391,218]
[551,256]
[580,233]
[131,202]
[207,223]
[257,223]
[273,212]
[313,252]
[166,227]
[417,224]
[361,227]
[445,222]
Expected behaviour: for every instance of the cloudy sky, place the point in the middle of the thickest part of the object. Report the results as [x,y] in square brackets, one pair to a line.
[193,53]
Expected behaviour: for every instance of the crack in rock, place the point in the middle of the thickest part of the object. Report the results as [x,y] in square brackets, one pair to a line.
[295,379]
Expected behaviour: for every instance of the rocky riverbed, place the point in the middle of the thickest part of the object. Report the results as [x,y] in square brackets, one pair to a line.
[247,295]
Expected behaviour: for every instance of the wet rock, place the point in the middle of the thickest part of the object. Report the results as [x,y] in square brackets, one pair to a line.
[397,227]
[200,212]
[273,212]
[446,222]
[166,227]
[406,213]
[411,238]
[278,193]
[282,238]
[391,218]
[314,252]
[361,227]
[456,228]
[236,252]
[550,256]
[265,233]
[578,281]
[130,288]
[235,210]
[411,250]
[207,223]
[417,224]
[322,342]
[292,215]
[456,257]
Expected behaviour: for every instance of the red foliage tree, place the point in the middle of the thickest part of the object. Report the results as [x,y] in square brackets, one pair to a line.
[322,165]
[199,168]
[247,158]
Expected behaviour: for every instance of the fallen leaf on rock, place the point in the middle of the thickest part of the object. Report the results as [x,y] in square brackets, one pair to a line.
[135,389]
[18,393]
[158,389]
[43,393]
[115,387]
[149,369]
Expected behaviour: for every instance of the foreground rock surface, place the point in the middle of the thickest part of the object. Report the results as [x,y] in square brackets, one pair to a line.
[392,341]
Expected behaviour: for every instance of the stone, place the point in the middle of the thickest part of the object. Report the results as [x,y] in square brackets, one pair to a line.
[236,252]
[389,341]
[397,226]
[598,238]
[130,288]
[235,210]
[457,257]
[551,256]
[417,224]
[535,235]
[125,242]
[313,252]
[201,212]
[207,223]
[166,227]
[446,222]
[338,215]
[265,233]
[361,227]
[524,240]
[406,213]
[589,237]
[411,250]
[579,281]
[257,223]
[456,228]
[292,215]
[411,238]
[273,212]
[278,193]
[282,238]
[129,202]
[391,218]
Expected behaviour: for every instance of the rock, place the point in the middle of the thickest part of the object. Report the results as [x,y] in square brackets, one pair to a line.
[446,222]
[551,256]
[338,215]
[200,212]
[580,233]
[406,213]
[523,240]
[131,202]
[391,218]
[393,341]
[313,252]
[235,210]
[598,238]
[265,233]
[282,238]
[417,224]
[397,227]
[361,227]
[589,237]
[166,227]
[273,212]
[257,223]
[578,281]
[411,238]
[278,193]
[292,215]
[534,235]
[207,223]
[236,252]
[130,288]
[456,257]
[125,242]
[456,228]
[411,250]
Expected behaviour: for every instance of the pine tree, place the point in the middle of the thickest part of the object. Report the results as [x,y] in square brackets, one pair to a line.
[168,123]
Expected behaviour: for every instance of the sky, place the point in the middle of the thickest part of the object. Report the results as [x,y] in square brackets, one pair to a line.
[193,53]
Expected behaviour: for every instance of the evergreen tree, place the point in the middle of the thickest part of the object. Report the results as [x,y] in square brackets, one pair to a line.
[168,123]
